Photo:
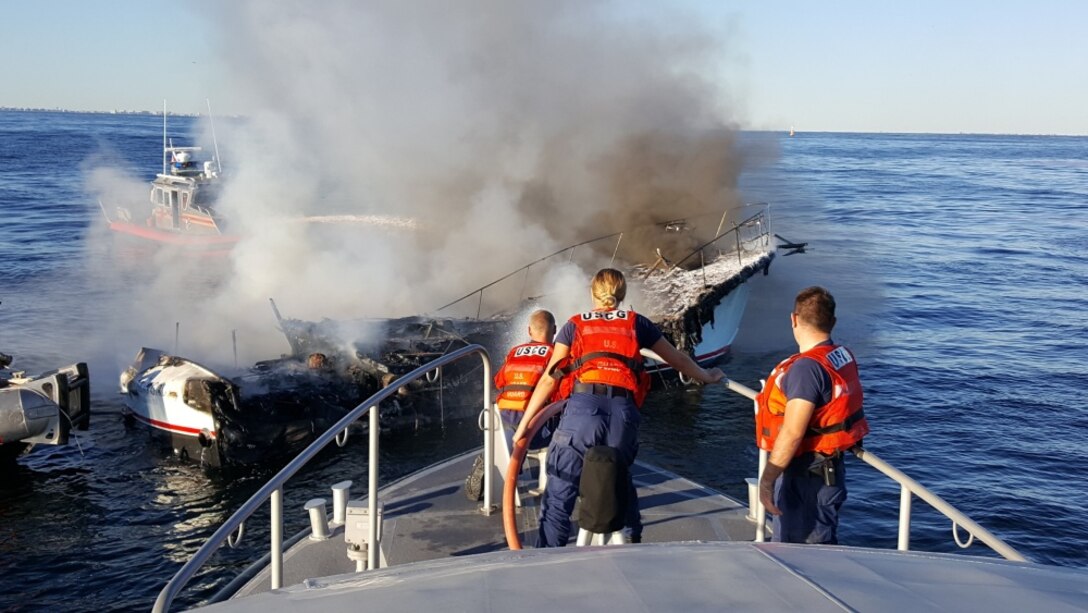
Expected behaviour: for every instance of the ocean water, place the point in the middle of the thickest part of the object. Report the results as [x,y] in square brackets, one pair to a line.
[958,264]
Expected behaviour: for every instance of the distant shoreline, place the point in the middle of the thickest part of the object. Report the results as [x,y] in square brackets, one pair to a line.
[17,109]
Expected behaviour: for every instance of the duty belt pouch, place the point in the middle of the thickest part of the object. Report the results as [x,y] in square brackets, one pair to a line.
[824,468]
[602,500]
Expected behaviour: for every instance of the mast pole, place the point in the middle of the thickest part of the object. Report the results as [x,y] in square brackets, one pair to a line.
[164,136]
[215,141]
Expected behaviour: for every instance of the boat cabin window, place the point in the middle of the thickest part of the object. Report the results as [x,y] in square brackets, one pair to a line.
[185,201]
[203,394]
[173,197]
[205,196]
[156,196]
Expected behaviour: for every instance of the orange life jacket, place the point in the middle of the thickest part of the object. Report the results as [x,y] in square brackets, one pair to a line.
[605,350]
[519,375]
[835,426]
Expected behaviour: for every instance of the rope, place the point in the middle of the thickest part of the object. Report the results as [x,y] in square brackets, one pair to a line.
[72,432]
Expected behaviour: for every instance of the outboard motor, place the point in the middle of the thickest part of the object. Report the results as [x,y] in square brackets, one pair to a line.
[28,415]
[602,499]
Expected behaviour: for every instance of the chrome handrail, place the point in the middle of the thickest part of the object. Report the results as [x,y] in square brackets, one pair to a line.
[759,220]
[273,489]
[908,488]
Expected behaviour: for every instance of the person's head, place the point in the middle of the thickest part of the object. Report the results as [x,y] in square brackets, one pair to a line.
[542,326]
[609,288]
[317,361]
[815,309]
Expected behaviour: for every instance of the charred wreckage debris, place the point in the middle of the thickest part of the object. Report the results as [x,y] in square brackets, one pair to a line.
[382,350]
[274,409]
[278,406]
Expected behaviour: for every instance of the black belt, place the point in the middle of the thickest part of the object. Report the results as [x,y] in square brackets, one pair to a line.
[600,389]
[816,457]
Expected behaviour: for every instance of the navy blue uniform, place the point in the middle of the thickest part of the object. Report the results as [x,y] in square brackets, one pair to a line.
[590,420]
[810,508]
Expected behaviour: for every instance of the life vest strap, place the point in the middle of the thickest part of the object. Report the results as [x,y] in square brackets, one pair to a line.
[516,387]
[839,427]
[634,364]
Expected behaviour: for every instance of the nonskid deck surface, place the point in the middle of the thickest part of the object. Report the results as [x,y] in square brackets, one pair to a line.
[692,577]
[427,516]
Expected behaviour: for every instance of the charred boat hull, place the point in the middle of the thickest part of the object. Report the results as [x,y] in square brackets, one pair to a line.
[209,419]
[274,409]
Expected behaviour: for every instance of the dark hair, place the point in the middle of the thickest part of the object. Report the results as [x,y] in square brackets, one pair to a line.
[816,307]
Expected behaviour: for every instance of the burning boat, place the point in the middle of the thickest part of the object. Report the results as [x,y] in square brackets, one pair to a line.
[693,283]
[42,409]
[274,409]
[219,421]
[695,291]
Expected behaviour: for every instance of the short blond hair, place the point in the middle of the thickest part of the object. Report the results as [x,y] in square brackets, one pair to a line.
[609,287]
[541,321]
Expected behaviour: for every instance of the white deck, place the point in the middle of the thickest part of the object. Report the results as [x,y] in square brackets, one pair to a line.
[443,553]
[692,577]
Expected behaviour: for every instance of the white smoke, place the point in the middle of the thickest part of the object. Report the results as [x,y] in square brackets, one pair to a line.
[507,130]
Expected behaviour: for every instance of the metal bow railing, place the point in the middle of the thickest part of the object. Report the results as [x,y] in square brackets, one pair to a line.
[272,491]
[908,489]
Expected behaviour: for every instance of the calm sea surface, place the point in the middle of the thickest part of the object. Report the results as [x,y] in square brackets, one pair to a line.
[958,262]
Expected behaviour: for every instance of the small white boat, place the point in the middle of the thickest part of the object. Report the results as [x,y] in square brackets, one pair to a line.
[417,544]
[271,411]
[42,409]
[220,422]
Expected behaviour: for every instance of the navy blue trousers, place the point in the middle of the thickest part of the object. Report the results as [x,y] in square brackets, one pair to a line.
[589,420]
[810,509]
[510,420]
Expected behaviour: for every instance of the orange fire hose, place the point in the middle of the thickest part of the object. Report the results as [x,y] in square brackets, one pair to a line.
[513,469]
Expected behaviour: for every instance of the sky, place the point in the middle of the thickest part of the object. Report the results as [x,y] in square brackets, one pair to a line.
[513,127]
[876,66]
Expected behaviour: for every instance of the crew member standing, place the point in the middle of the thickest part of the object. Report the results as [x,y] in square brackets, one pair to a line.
[810,412]
[520,373]
[607,384]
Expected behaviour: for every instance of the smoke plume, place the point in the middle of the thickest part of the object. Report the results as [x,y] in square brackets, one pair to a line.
[506,130]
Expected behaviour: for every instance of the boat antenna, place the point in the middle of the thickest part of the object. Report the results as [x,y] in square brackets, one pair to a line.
[164,136]
[211,118]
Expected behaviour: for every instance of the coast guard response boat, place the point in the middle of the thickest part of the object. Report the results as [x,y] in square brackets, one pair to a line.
[182,204]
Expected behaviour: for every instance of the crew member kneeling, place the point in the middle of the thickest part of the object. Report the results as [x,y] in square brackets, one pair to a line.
[810,412]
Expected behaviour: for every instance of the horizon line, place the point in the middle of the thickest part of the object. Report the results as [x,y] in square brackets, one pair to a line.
[159,113]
